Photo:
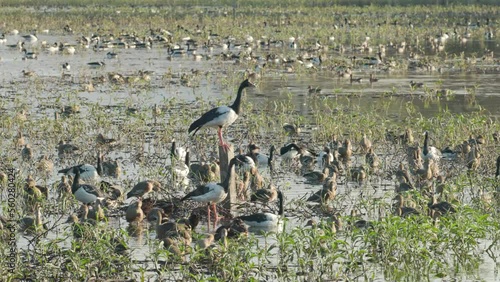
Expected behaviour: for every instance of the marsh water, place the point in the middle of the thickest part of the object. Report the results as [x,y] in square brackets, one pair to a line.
[481,83]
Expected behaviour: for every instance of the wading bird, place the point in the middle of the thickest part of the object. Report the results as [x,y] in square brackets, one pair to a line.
[213,193]
[222,116]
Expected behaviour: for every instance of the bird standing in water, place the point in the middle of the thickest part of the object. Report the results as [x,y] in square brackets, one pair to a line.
[222,116]
[213,193]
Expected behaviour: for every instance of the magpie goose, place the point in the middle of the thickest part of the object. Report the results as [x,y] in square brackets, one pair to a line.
[222,116]
[213,193]
[177,152]
[265,220]
[30,38]
[246,162]
[293,151]
[29,55]
[96,64]
[430,152]
[262,159]
[84,193]
[88,173]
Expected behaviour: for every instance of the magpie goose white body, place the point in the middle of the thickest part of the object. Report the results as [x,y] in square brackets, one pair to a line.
[181,169]
[177,152]
[289,152]
[30,38]
[321,157]
[66,66]
[180,164]
[29,55]
[246,162]
[293,151]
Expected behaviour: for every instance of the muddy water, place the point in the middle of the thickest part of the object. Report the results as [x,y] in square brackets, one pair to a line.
[129,61]
[273,86]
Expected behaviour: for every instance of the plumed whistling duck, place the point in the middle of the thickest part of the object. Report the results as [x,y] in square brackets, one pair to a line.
[144,187]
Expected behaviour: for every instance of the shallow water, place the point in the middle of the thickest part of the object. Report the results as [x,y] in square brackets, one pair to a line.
[275,85]
[274,82]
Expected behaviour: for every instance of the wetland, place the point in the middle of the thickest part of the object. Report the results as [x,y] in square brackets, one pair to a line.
[363,83]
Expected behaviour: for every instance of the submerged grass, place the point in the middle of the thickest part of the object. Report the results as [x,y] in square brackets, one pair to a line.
[416,248]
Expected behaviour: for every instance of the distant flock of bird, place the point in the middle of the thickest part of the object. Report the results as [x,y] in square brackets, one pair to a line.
[87,188]
[83,181]
[307,58]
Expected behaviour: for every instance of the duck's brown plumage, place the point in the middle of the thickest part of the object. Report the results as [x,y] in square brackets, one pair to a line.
[265,195]
[235,229]
[181,229]
[134,213]
[144,187]
[401,210]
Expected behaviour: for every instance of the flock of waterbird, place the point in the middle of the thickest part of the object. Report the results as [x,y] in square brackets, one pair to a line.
[421,171]
[264,52]
[84,183]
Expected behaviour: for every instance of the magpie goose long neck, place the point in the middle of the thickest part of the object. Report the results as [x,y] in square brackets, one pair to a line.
[99,165]
[236,106]
[280,198]
[187,159]
[271,154]
[172,149]
[426,144]
[497,174]
[76,180]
